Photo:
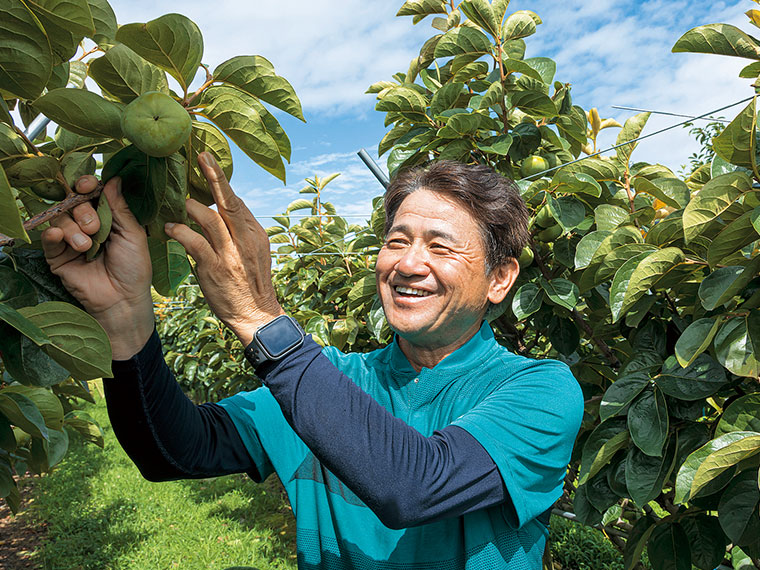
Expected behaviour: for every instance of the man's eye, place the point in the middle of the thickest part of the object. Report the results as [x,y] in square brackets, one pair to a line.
[439,248]
[394,242]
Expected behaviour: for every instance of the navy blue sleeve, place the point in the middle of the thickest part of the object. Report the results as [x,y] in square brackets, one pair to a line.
[164,433]
[406,478]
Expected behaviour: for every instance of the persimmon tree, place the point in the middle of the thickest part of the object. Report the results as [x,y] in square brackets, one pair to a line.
[101,83]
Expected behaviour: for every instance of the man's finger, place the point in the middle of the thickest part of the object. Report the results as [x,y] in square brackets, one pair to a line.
[195,244]
[234,212]
[123,218]
[86,217]
[214,228]
[56,251]
[86,184]
[72,233]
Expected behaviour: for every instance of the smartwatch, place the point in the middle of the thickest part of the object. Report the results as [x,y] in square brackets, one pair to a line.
[274,341]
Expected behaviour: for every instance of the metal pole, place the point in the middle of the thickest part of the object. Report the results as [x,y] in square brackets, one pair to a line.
[36,127]
[374,168]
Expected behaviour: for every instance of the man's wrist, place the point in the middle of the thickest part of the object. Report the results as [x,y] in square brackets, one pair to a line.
[128,325]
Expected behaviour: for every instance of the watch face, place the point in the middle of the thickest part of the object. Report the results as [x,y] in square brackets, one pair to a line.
[278,336]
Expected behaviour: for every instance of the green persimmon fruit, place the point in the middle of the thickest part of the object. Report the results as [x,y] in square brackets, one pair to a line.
[526,257]
[549,234]
[49,190]
[156,124]
[532,165]
[544,218]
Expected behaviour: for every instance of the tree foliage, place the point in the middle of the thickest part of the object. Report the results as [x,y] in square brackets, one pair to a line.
[50,347]
[645,283]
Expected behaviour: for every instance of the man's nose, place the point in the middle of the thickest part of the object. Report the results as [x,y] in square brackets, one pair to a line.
[414,261]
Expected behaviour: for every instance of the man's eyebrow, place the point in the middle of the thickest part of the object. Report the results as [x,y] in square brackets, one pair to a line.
[429,233]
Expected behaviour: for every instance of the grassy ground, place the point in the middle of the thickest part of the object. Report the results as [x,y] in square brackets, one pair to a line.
[101,514]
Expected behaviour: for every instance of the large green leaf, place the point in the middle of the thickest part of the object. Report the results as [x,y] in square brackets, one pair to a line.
[621,393]
[741,415]
[125,75]
[724,458]
[600,170]
[724,283]
[206,137]
[462,40]
[561,292]
[403,100]
[480,12]
[568,211]
[238,115]
[637,541]
[16,291]
[588,247]
[527,300]
[11,223]
[28,364]
[638,275]
[734,144]
[668,548]
[607,439]
[22,413]
[672,191]
[143,180]
[26,60]
[713,199]
[720,39]
[72,15]
[520,24]
[533,102]
[421,8]
[576,183]
[104,20]
[645,474]
[11,144]
[706,541]
[695,339]
[63,44]
[648,422]
[170,265]
[255,75]
[82,112]
[734,348]
[700,379]
[688,470]
[736,235]
[630,131]
[738,510]
[78,342]
[171,200]
[172,42]
[46,402]
[23,325]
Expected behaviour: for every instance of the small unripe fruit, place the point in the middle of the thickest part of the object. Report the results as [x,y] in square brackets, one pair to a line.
[532,165]
[526,257]
[544,218]
[49,190]
[156,124]
[549,234]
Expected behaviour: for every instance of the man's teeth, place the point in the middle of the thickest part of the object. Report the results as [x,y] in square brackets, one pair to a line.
[410,291]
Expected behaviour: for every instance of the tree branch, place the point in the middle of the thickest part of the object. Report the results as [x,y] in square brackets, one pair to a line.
[53,212]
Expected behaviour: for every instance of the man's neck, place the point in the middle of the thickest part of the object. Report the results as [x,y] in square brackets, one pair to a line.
[429,356]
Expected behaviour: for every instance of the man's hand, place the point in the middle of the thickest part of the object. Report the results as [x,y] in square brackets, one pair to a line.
[114,287]
[233,259]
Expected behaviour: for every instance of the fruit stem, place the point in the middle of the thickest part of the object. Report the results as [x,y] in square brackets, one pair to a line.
[53,212]
[29,143]
[209,80]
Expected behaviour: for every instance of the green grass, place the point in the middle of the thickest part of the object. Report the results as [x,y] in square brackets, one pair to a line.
[102,515]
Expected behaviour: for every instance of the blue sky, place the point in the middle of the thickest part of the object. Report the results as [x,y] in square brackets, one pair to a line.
[614,52]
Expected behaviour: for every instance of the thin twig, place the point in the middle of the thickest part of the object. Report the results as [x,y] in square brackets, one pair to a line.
[53,212]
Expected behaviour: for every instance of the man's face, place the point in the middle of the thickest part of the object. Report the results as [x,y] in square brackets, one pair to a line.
[431,273]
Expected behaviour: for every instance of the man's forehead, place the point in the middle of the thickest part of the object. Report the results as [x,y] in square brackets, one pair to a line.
[427,231]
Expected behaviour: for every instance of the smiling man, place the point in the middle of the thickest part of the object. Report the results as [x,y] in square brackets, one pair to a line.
[442,450]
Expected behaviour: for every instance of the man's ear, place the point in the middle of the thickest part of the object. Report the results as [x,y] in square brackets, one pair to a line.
[502,278]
